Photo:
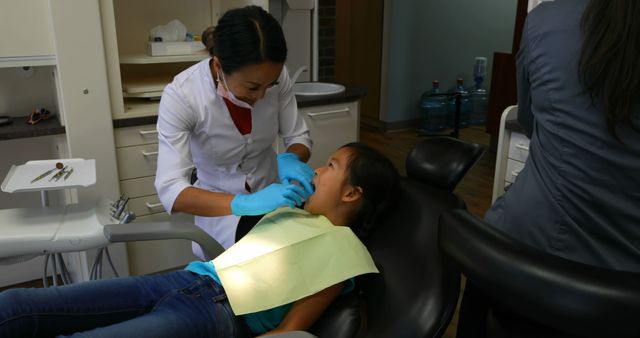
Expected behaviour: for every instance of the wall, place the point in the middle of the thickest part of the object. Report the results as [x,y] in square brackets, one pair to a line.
[23,89]
[295,16]
[326,40]
[437,39]
[326,35]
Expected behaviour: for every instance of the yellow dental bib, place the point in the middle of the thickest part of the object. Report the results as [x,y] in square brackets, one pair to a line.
[288,255]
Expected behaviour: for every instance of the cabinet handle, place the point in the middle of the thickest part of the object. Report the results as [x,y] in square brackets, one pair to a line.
[521,146]
[148,154]
[153,205]
[328,112]
[147,132]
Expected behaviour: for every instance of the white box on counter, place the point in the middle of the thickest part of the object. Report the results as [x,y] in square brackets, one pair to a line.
[174,48]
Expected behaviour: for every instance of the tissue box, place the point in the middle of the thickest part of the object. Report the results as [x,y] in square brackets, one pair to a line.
[174,48]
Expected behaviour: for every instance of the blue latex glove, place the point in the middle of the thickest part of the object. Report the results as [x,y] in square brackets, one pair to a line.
[268,199]
[291,168]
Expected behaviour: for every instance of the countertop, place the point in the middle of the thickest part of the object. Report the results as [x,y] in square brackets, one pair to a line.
[351,93]
[20,129]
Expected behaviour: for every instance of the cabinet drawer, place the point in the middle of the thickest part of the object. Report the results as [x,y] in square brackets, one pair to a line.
[513,169]
[330,127]
[518,147]
[137,161]
[138,187]
[133,136]
[145,205]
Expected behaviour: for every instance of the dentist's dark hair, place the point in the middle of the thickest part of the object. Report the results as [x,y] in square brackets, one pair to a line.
[245,36]
[609,67]
[377,177]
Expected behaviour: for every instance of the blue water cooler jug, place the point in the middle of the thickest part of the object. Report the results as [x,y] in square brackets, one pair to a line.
[433,109]
[479,95]
[465,105]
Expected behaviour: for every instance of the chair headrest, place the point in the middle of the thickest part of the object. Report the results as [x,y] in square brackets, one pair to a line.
[442,161]
[570,296]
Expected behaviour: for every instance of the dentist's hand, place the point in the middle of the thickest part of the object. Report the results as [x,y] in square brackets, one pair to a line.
[268,199]
[291,168]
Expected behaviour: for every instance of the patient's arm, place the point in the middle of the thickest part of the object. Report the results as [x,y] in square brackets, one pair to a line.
[306,311]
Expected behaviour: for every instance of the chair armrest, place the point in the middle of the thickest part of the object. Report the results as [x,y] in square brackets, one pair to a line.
[152,231]
[574,297]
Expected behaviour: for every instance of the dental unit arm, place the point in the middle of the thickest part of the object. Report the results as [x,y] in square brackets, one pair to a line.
[151,231]
[38,231]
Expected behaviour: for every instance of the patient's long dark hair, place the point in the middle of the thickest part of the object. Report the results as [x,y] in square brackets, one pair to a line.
[610,60]
[378,179]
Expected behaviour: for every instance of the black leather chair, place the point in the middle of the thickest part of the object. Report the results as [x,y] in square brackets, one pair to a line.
[416,293]
[442,162]
[536,294]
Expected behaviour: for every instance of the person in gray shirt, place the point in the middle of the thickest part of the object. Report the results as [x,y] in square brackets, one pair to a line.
[578,196]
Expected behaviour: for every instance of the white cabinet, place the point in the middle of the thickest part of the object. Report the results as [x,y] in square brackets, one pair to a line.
[26,32]
[83,90]
[153,256]
[518,146]
[51,55]
[331,126]
[513,150]
[62,41]
[136,151]
[517,156]
[136,80]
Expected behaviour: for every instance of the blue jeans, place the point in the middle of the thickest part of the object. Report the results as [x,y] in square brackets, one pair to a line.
[177,304]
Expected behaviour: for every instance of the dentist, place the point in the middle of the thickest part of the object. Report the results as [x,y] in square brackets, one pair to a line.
[222,116]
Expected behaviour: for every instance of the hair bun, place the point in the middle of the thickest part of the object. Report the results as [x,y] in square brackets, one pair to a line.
[207,37]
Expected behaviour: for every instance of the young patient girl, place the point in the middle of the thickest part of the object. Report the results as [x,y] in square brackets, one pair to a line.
[355,182]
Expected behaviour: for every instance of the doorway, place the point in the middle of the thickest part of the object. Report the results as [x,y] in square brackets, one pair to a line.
[358,51]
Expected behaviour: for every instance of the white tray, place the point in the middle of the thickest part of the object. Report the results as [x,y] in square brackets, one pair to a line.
[19,177]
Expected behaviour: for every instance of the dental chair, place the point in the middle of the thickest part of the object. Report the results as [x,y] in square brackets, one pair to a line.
[536,294]
[416,293]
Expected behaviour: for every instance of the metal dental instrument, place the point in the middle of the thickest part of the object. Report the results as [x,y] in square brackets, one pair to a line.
[127,217]
[58,174]
[68,173]
[121,208]
[46,173]
[61,173]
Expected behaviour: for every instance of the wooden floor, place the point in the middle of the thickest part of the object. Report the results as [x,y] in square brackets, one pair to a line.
[475,188]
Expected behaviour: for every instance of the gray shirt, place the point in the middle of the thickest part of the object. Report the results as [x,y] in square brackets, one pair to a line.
[579,194]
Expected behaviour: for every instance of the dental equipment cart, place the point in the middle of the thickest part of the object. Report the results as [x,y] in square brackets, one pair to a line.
[26,233]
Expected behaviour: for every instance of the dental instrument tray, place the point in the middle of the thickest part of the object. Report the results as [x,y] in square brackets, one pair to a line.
[50,175]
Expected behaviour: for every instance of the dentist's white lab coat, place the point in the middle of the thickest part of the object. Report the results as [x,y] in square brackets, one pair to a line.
[195,128]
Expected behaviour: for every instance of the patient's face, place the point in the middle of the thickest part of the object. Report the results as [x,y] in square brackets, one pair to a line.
[330,182]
